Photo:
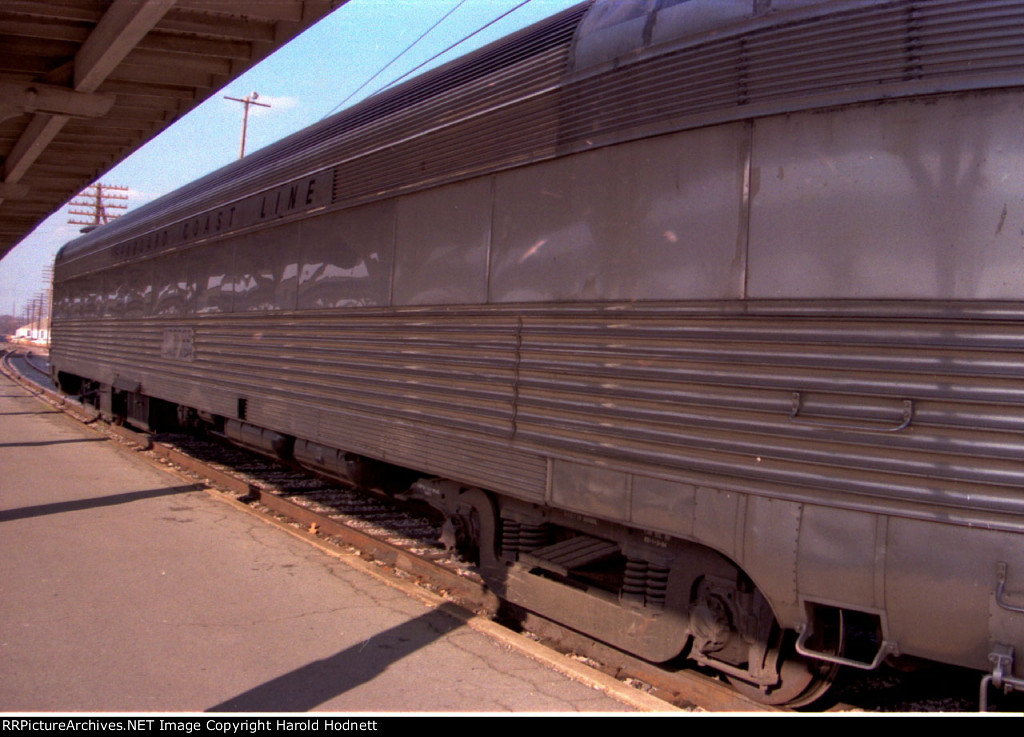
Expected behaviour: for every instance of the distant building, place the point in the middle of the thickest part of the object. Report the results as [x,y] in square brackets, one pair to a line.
[36,333]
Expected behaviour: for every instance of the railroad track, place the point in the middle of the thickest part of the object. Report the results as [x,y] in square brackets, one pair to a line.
[36,368]
[405,541]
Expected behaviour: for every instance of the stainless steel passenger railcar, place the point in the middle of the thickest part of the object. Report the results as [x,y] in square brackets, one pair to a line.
[700,320]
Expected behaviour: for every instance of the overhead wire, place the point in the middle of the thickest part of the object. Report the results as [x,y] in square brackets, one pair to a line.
[460,41]
[428,61]
[398,56]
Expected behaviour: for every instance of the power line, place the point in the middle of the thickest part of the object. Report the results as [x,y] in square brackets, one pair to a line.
[460,41]
[398,56]
[435,56]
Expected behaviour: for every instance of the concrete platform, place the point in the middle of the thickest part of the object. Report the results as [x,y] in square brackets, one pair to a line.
[126,589]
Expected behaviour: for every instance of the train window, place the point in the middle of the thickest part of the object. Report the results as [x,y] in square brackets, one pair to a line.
[113,305]
[61,300]
[211,269]
[73,297]
[173,290]
[137,289]
[266,269]
[127,291]
[91,291]
[441,244]
[347,258]
[658,219]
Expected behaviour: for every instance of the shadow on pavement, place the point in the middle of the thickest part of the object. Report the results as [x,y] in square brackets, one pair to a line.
[319,681]
[7,515]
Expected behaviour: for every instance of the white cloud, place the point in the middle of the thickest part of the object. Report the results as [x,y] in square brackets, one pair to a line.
[138,197]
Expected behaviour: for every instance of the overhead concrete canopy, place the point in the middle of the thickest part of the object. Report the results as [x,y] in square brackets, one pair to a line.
[84,83]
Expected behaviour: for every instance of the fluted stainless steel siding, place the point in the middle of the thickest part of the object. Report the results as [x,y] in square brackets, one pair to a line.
[430,391]
[699,394]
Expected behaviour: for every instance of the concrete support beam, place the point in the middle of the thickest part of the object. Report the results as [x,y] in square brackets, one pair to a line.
[124,24]
[37,136]
[18,99]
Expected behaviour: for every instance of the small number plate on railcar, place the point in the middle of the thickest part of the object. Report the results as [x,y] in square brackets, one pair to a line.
[179,344]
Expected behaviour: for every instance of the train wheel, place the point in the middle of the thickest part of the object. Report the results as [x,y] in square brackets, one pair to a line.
[802,681]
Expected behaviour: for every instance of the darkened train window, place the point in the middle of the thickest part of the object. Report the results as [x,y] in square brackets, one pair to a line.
[76,298]
[112,303]
[174,292]
[73,298]
[128,290]
[266,269]
[347,258]
[138,289]
[211,270]
[61,300]
[66,291]
[441,244]
[92,295]
[650,220]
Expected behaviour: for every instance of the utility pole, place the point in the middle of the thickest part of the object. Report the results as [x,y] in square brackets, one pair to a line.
[39,317]
[48,299]
[248,100]
[97,199]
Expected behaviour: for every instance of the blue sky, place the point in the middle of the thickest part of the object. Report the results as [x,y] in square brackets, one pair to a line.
[303,82]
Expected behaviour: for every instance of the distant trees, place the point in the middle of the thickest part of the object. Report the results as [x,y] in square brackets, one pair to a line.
[9,323]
